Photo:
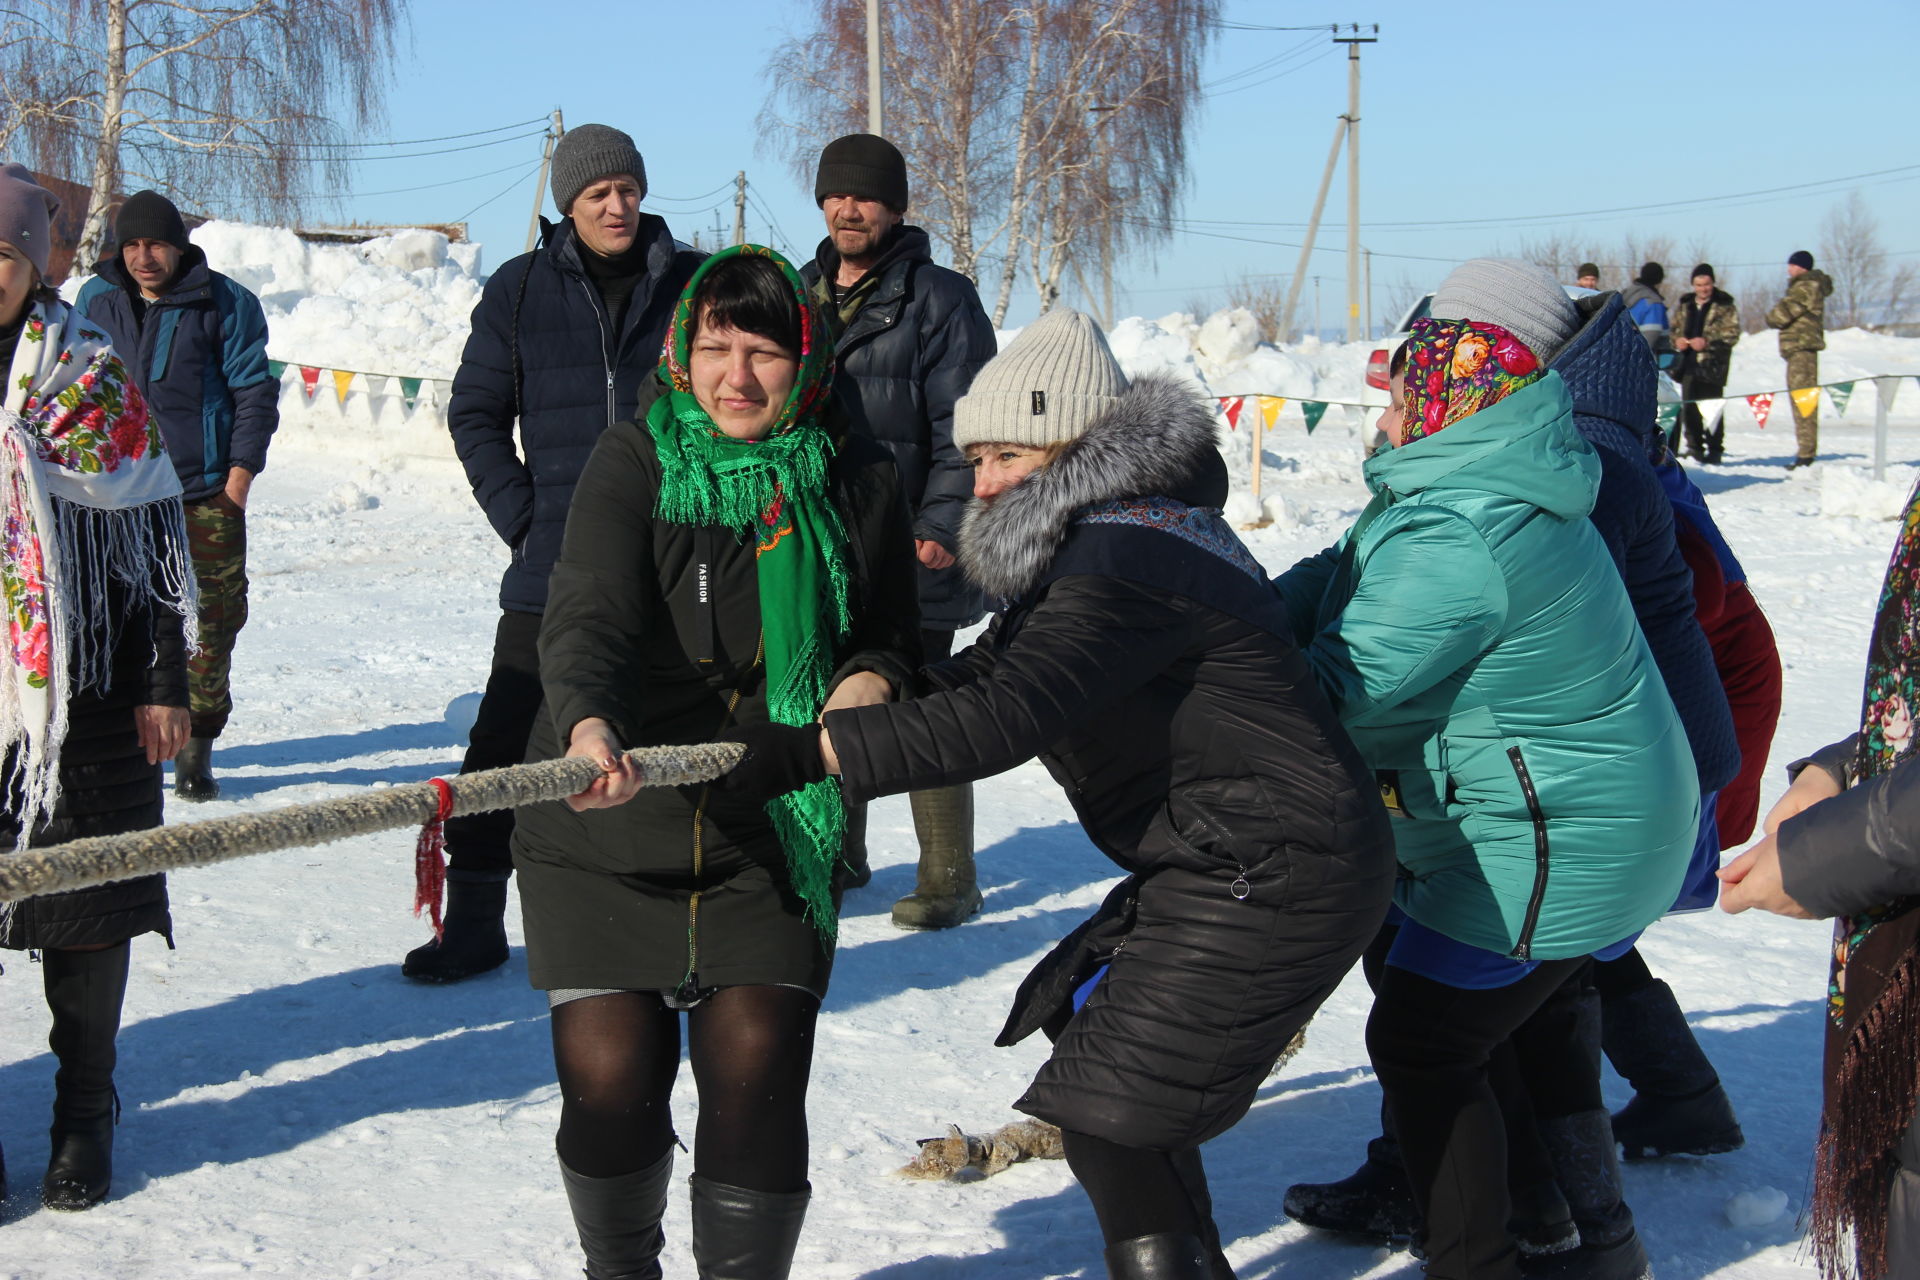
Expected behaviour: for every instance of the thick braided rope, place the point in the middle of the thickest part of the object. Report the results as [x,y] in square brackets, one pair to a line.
[104,859]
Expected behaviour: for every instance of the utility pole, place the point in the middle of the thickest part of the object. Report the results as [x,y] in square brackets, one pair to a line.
[1313,228]
[1353,40]
[873,68]
[554,129]
[1369,292]
[1319,316]
[740,207]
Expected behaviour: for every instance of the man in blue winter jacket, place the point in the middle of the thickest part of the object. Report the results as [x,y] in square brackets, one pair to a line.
[563,339]
[196,344]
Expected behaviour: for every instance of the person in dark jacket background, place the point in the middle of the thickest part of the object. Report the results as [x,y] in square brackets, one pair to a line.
[1647,308]
[196,344]
[563,339]
[910,336]
[733,557]
[1258,855]
[1845,842]
[1706,326]
[101,631]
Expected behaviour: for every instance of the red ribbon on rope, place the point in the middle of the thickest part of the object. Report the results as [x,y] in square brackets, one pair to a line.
[429,859]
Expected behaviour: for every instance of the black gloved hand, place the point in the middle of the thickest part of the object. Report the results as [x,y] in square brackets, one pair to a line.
[780,758]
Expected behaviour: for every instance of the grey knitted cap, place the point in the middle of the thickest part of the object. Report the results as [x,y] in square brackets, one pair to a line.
[26,214]
[589,153]
[1046,387]
[1519,297]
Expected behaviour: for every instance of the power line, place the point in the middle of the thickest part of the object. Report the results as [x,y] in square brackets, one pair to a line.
[705,195]
[267,148]
[435,186]
[772,222]
[526,173]
[1312,42]
[1279,75]
[421,142]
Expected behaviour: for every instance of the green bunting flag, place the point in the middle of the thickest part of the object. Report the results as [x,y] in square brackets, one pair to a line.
[1668,414]
[278,368]
[1839,393]
[409,392]
[1313,410]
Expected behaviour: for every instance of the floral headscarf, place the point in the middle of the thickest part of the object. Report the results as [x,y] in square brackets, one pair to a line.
[1456,368]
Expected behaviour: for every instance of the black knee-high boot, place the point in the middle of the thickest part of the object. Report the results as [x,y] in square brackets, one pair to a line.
[85,990]
[618,1219]
[741,1234]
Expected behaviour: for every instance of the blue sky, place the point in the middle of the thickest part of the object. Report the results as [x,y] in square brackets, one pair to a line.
[1468,112]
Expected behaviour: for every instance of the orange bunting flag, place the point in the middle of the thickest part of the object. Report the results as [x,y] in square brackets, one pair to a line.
[342,383]
[1270,407]
[1762,405]
[309,380]
[1806,401]
[1231,406]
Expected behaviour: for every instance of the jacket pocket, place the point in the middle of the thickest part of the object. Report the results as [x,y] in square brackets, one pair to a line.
[1219,827]
[1523,949]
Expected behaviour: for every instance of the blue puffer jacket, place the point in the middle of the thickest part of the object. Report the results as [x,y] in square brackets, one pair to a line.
[1611,376]
[541,351]
[199,356]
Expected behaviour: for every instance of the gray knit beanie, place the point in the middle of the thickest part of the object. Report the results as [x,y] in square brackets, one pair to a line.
[589,153]
[26,215]
[1046,387]
[1521,298]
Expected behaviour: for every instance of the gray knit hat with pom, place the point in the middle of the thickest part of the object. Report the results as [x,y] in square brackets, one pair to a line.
[589,153]
[1045,387]
[1521,298]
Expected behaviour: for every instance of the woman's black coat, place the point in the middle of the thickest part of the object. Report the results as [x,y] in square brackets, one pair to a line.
[1144,660]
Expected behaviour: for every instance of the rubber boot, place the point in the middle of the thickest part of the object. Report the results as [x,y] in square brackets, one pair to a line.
[618,1219]
[855,873]
[1716,442]
[473,930]
[1587,1165]
[946,892]
[1193,1175]
[193,771]
[1374,1202]
[85,990]
[1679,1106]
[740,1234]
[1161,1257]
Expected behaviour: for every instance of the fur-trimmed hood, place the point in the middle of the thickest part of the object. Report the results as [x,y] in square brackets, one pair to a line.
[1159,440]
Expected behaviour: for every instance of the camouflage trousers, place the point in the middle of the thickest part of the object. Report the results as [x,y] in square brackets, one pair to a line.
[1803,370]
[217,538]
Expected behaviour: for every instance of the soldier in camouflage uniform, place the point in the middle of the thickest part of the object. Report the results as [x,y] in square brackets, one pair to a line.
[1705,326]
[1801,319]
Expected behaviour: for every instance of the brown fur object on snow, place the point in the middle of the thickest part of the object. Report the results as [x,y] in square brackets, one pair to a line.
[981,1157]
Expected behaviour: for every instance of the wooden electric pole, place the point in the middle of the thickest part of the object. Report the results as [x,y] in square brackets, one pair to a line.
[740,207]
[554,130]
[873,68]
[1353,40]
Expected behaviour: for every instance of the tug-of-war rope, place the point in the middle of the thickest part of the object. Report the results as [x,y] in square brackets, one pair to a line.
[104,859]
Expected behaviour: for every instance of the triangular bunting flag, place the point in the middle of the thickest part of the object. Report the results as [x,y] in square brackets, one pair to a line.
[1806,400]
[1231,406]
[278,368]
[309,380]
[342,383]
[1270,407]
[1839,393]
[409,392]
[1762,405]
[1667,414]
[1313,411]
[1710,412]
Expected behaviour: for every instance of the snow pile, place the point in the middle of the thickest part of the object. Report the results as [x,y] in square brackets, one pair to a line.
[1760,1207]
[1852,491]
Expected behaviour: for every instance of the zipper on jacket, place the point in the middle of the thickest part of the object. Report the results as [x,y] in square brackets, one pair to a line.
[689,983]
[1524,951]
[606,357]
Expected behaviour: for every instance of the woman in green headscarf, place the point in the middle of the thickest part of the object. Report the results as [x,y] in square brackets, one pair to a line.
[730,559]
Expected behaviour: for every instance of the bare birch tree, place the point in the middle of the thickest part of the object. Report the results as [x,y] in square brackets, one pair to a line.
[218,106]
[1868,286]
[1048,134]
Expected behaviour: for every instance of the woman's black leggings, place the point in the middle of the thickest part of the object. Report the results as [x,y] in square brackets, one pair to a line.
[1137,1192]
[751,1050]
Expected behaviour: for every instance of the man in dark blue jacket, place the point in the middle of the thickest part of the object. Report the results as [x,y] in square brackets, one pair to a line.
[562,340]
[909,336]
[196,343]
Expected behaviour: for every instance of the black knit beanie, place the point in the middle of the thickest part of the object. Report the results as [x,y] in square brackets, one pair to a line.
[1704,269]
[148,215]
[1652,274]
[587,153]
[862,165]
[1587,269]
[1800,258]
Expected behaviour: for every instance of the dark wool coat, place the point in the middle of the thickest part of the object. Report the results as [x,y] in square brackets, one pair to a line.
[542,352]
[106,788]
[200,358]
[911,351]
[1610,375]
[683,886]
[1144,659]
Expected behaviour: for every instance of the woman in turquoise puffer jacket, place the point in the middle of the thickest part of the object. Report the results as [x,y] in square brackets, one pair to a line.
[1478,645]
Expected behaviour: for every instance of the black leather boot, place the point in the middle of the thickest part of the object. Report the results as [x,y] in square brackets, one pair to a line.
[1162,1257]
[1679,1106]
[618,1219]
[1374,1202]
[85,990]
[473,930]
[740,1234]
[1587,1166]
[193,771]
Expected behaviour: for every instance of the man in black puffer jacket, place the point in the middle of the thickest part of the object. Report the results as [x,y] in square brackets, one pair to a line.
[910,337]
[562,340]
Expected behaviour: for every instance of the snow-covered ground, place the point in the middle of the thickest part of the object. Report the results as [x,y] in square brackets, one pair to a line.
[293,1107]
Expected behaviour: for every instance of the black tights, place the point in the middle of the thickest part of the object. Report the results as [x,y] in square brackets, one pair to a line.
[1138,1192]
[751,1049]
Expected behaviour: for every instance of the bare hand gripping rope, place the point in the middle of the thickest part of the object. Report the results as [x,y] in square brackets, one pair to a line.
[104,859]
